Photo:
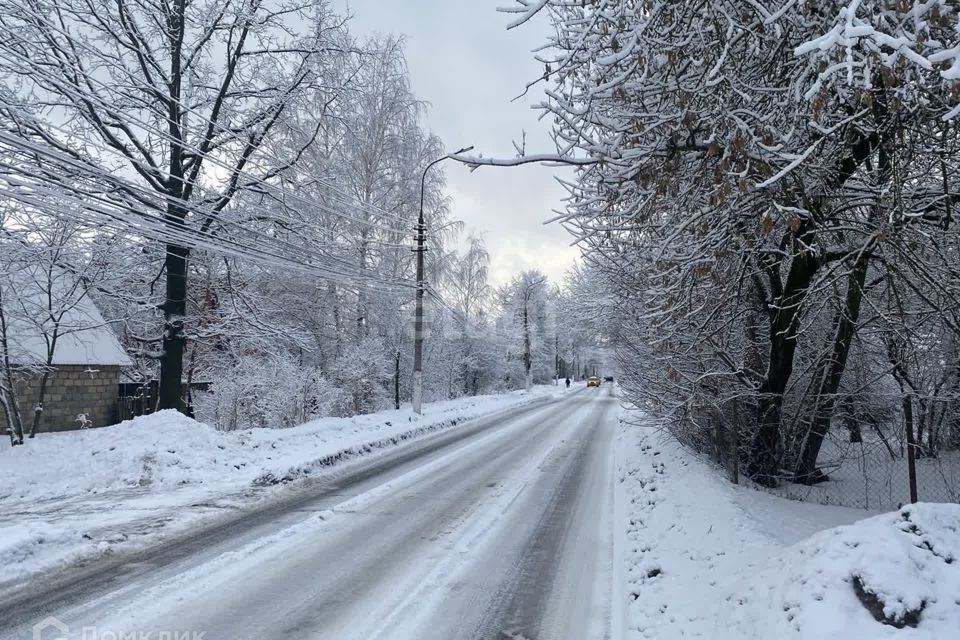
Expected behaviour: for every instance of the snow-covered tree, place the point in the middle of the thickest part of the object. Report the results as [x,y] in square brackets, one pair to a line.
[362,374]
[164,109]
[748,178]
[49,268]
[525,308]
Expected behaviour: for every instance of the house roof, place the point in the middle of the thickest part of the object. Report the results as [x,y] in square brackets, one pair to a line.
[84,337]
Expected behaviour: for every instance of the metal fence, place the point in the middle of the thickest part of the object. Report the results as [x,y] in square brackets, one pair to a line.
[877,474]
[136,399]
[875,466]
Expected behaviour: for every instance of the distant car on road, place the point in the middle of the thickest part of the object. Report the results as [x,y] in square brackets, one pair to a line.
[593,381]
[608,379]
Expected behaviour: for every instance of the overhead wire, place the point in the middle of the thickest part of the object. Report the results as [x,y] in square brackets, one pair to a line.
[252,181]
[24,182]
[182,233]
[460,315]
[96,52]
[145,194]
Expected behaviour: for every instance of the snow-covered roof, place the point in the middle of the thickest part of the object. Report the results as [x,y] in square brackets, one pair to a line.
[84,337]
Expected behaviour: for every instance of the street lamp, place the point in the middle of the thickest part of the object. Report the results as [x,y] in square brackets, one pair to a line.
[418,317]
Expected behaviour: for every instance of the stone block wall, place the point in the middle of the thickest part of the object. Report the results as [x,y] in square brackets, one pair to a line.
[72,390]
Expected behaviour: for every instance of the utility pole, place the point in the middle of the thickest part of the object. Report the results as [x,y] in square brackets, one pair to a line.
[418,314]
[556,358]
[527,383]
[421,238]
[396,382]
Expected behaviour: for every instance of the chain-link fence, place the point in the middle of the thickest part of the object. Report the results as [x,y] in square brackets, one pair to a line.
[866,463]
[875,473]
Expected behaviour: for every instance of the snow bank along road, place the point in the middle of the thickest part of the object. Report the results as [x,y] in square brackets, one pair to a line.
[499,531]
[76,497]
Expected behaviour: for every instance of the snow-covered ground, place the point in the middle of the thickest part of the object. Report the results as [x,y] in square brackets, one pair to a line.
[696,557]
[707,559]
[67,497]
[499,529]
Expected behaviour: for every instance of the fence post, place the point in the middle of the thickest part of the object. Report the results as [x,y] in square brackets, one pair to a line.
[154,395]
[911,452]
[735,455]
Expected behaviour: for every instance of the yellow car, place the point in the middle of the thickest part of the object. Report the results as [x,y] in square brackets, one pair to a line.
[593,381]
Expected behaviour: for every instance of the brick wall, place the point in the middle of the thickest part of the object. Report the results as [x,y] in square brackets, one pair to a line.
[72,390]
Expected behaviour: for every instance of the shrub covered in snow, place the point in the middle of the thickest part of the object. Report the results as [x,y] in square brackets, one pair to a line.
[361,373]
[267,392]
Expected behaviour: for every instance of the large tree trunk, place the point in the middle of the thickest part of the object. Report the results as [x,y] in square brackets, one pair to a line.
[832,373]
[175,262]
[764,460]
[787,302]
[174,311]
[846,323]
[764,453]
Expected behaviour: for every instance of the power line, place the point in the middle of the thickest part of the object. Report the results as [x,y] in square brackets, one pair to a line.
[253,181]
[97,53]
[26,185]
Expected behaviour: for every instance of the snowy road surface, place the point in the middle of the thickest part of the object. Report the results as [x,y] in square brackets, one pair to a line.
[503,531]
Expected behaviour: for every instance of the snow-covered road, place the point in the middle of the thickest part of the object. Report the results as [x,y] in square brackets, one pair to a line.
[504,531]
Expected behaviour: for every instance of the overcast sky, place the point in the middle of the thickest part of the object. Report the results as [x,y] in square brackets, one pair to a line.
[465,63]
